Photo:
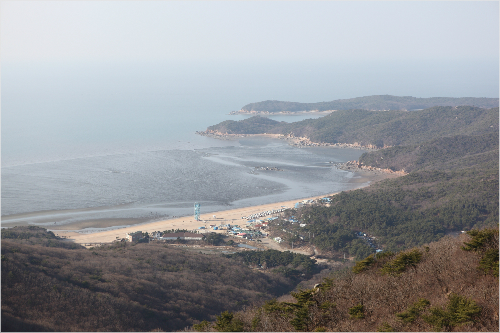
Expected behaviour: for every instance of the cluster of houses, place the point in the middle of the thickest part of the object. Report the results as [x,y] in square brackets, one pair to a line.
[294,220]
[369,239]
[255,227]
[136,236]
[181,235]
[252,230]
[312,201]
[278,239]
[262,214]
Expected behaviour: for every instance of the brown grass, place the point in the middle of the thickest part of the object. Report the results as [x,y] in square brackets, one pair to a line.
[445,269]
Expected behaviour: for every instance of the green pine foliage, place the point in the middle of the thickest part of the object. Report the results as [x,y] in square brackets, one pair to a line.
[402,262]
[320,329]
[414,311]
[283,309]
[202,327]
[256,321]
[227,322]
[297,313]
[480,240]
[214,238]
[357,312]
[451,152]
[275,258]
[253,125]
[459,310]
[385,327]
[484,242]
[489,262]
[364,264]
[408,211]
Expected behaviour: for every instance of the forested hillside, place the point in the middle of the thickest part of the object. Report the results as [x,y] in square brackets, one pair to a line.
[254,125]
[377,102]
[451,155]
[376,128]
[452,186]
[408,211]
[449,285]
[52,285]
[445,153]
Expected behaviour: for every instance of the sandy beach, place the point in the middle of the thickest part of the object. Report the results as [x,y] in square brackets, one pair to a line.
[232,216]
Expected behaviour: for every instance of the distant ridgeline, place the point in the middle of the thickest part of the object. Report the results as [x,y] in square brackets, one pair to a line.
[377,102]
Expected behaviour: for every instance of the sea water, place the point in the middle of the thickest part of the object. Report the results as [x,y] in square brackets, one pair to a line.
[115,143]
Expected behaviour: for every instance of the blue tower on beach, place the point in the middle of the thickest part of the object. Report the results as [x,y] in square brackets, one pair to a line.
[196,211]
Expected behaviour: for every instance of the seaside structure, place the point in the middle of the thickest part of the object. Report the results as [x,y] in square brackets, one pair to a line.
[196,211]
[134,236]
[182,236]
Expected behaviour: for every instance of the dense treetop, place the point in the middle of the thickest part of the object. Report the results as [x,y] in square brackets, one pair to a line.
[454,152]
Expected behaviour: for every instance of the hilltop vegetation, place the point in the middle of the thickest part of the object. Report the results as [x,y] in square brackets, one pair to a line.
[254,125]
[377,102]
[408,211]
[120,287]
[439,286]
[445,153]
[375,128]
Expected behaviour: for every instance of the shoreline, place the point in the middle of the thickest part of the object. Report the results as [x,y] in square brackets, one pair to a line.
[95,226]
[231,216]
[107,230]
[294,141]
[281,113]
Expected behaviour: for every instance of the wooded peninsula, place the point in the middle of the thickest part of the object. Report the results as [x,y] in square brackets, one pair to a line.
[374,103]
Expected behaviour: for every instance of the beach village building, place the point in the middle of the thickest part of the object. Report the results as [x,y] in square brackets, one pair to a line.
[182,236]
[134,236]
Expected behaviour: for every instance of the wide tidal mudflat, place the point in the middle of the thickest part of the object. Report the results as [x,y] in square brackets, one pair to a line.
[156,190]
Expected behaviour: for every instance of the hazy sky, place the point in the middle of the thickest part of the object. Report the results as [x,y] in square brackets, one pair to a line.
[130,31]
[112,68]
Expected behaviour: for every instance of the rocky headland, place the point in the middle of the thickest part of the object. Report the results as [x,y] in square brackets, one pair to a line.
[299,142]
[356,166]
